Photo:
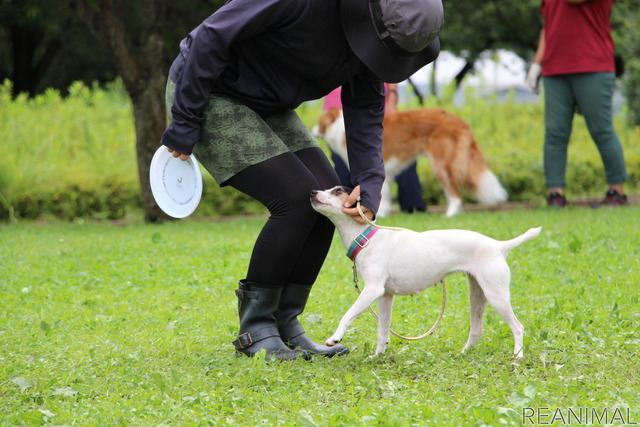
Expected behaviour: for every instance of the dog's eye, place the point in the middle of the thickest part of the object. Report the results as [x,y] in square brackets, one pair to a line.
[338,191]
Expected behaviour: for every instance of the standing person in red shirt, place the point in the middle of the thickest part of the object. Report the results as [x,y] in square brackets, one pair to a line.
[575,57]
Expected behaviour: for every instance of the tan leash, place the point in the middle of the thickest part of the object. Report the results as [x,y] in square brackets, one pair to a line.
[375,315]
[373,223]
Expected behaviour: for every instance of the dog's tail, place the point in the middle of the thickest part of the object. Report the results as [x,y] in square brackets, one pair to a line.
[532,233]
[485,186]
[489,189]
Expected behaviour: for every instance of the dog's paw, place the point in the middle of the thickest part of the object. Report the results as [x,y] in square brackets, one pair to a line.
[332,341]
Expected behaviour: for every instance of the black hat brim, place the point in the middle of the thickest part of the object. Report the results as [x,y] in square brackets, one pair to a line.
[382,61]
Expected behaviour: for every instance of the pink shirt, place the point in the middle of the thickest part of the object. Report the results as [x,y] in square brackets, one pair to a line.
[332,99]
[577,37]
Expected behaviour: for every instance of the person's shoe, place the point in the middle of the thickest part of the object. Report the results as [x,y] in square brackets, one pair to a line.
[556,200]
[258,327]
[613,198]
[412,209]
[292,303]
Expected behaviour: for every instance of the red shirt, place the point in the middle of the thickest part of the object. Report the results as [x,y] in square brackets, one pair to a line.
[577,37]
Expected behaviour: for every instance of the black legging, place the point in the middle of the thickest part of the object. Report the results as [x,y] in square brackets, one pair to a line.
[295,239]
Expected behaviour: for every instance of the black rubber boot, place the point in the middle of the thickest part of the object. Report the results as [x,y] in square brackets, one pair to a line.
[258,329]
[292,303]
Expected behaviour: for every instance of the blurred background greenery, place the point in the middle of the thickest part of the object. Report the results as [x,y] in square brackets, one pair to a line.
[82,89]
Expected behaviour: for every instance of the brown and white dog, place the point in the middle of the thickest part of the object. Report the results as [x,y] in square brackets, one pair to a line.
[444,138]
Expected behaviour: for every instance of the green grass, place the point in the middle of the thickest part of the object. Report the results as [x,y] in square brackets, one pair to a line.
[131,325]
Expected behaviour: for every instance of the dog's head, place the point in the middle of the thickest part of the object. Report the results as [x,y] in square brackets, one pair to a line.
[325,121]
[330,201]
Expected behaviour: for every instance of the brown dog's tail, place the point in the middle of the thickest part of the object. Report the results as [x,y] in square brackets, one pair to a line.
[489,189]
[508,245]
[485,185]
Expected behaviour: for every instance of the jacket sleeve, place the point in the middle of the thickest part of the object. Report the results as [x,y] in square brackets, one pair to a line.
[206,55]
[363,109]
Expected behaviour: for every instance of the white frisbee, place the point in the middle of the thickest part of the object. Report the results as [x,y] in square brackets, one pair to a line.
[176,184]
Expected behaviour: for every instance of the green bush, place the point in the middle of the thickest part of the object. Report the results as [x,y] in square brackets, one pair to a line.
[74,157]
[71,157]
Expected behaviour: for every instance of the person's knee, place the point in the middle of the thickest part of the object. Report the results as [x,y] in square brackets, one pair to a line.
[294,203]
[605,138]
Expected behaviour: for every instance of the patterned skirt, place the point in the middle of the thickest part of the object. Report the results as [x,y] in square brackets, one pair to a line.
[234,137]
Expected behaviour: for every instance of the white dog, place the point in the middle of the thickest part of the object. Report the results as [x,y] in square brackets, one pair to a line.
[405,262]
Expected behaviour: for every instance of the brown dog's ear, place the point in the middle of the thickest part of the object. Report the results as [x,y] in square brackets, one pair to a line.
[347,189]
[327,118]
[333,113]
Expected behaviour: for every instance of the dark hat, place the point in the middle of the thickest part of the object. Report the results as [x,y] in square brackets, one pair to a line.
[393,38]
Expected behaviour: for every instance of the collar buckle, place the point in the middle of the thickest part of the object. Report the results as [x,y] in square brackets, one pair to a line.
[361,240]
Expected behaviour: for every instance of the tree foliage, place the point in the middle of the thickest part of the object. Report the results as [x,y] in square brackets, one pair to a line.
[43,46]
[473,26]
[52,43]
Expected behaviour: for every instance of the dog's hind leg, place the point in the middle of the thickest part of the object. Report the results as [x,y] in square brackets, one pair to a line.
[477,304]
[454,206]
[451,193]
[385,307]
[368,295]
[495,286]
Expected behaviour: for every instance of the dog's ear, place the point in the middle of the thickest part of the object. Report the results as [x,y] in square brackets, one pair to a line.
[347,189]
[333,113]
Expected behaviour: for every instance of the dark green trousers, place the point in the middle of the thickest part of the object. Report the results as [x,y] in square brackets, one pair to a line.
[592,93]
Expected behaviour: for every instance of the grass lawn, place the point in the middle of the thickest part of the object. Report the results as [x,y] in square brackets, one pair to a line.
[104,324]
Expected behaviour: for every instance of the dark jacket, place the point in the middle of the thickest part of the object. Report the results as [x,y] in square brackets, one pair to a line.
[273,55]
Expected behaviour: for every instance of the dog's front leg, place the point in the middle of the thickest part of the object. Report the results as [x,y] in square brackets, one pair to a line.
[368,295]
[386,205]
[385,306]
